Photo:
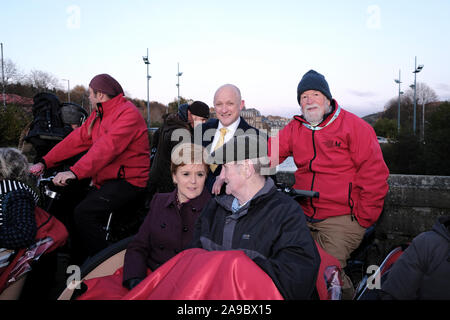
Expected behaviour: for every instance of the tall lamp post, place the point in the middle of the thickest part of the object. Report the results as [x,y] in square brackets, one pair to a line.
[3,79]
[399,93]
[417,69]
[179,74]
[423,118]
[148,97]
[68,88]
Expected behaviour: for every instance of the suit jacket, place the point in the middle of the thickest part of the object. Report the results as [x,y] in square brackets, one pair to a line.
[207,140]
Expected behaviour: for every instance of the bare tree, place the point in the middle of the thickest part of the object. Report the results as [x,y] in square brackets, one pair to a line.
[12,73]
[42,80]
[424,94]
[80,95]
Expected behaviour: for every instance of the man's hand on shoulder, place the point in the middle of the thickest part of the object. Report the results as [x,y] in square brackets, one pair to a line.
[218,185]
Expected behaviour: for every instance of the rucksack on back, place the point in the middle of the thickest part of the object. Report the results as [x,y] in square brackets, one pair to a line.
[47,127]
[47,122]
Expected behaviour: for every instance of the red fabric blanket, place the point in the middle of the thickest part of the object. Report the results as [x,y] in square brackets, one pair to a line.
[193,274]
[48,227]
[328,277]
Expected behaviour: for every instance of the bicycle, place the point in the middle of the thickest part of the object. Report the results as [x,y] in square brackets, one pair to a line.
[116,226]
[61,202]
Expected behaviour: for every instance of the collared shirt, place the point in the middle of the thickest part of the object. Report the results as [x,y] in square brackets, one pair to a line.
[235,206]
[231,130]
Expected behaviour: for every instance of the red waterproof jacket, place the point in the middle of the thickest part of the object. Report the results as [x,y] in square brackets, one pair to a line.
[117,147]
[342,160]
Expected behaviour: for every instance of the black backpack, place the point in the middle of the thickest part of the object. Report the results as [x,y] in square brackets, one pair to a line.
[47,128]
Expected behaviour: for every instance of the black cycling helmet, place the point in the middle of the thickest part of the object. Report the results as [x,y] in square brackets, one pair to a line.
[72,113]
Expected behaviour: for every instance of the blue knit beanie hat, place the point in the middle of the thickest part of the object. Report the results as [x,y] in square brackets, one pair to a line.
[312,80]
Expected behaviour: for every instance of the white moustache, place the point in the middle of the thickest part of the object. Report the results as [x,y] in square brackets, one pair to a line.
[312,106]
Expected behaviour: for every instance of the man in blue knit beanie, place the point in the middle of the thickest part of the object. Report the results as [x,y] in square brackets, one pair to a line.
[338,155]
[310,82]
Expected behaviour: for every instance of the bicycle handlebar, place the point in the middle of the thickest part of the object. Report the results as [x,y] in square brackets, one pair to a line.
[298,193]
[305,193]
[50,180]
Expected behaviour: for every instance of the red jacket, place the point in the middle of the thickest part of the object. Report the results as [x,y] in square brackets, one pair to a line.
[118,146]
[342,160]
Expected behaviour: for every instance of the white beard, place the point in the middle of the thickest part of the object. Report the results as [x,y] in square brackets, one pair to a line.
[315,117]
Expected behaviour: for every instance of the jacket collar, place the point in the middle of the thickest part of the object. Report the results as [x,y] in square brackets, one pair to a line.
[106,107]
[442,227]
[232,127]
[213,123]
[173,121]
[226,201]
[329,118]
[198,202]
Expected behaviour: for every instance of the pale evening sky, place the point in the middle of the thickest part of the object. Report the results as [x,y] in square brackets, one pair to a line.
[263,47]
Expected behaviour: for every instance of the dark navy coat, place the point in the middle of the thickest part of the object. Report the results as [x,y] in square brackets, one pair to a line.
[423,270]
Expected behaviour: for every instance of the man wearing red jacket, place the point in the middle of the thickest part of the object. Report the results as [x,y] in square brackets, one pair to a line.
[338,155]
[117,159]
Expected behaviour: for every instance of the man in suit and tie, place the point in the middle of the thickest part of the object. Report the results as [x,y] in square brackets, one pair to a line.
[228,104]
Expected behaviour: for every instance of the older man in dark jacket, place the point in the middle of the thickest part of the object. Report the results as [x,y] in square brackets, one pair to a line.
[254,217]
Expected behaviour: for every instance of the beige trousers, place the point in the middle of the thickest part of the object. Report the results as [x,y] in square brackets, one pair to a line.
[339,236]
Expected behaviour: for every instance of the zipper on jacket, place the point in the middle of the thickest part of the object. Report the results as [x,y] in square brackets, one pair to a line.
[314,174]
[350,201]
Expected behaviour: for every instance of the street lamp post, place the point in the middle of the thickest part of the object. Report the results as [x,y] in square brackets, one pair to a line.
[399,93]
[417,69]
[148,96]
[179,74]
[423,118]
[3,79]
[68,88]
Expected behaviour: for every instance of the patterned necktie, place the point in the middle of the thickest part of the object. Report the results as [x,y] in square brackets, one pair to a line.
[223,132]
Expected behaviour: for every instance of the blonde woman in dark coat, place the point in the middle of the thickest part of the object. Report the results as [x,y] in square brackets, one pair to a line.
[168,227]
